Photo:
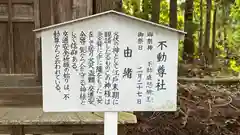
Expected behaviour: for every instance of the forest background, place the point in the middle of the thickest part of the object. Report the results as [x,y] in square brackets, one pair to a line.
[209,66]
[212,26]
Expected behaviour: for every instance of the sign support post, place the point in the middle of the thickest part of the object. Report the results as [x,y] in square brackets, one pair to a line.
[110,123]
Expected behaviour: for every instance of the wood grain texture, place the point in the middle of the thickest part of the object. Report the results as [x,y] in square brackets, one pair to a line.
[17,130]
[51,129]
[80,129]
[52,118]
[17,80]
[21,90]
[20,116]
[18,54]
[46,19]
[24,48]
[17,1]
[105,5]
[37,40]
[62,10]
[21,96]
[81,8]
[3,10]
[10,37]
[21,100]
[63,129]
[17,19]
[36,116]
[5,129]
[28,101]
[22,11]
[4,58]
[45,13]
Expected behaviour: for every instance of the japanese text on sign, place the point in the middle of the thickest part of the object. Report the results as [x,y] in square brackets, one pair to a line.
[100,71]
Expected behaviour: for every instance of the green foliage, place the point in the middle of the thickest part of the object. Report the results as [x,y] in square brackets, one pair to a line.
[164,12]
[142,9]
[192,26]
[227,24]
[234,66]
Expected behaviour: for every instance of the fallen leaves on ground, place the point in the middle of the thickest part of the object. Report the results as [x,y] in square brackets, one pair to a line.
[202,110]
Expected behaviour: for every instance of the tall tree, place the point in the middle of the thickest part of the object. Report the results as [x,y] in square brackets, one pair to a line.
[155,10]
[173,13]
[207,31]
[214,36]
[201,27]
[188,49]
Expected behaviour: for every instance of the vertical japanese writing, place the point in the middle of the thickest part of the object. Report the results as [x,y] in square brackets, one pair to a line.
[115,80]
[99,68]
[57,67]
[149,75]
[149,85]
[161,59]
[91,70]
[107,85]
[66,64]
[139,84]
[140,40]
[82,65]
[127,72]
[149,41]
[74,51]
[127,52]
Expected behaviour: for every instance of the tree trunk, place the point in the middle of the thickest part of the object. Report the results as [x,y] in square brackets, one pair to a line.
[225,37]
[155,10]
[105,5]
[207,31]
[214,36]
[188,49]
[173,13]
[62,10]
[201,27]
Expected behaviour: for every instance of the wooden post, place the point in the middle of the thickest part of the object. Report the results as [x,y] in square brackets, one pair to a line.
[10,38]
[37,41]
[17,130]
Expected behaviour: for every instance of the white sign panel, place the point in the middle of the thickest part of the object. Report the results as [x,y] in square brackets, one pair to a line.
[91,67]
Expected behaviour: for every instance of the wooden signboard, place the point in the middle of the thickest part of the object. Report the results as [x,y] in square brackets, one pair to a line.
[109,62]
